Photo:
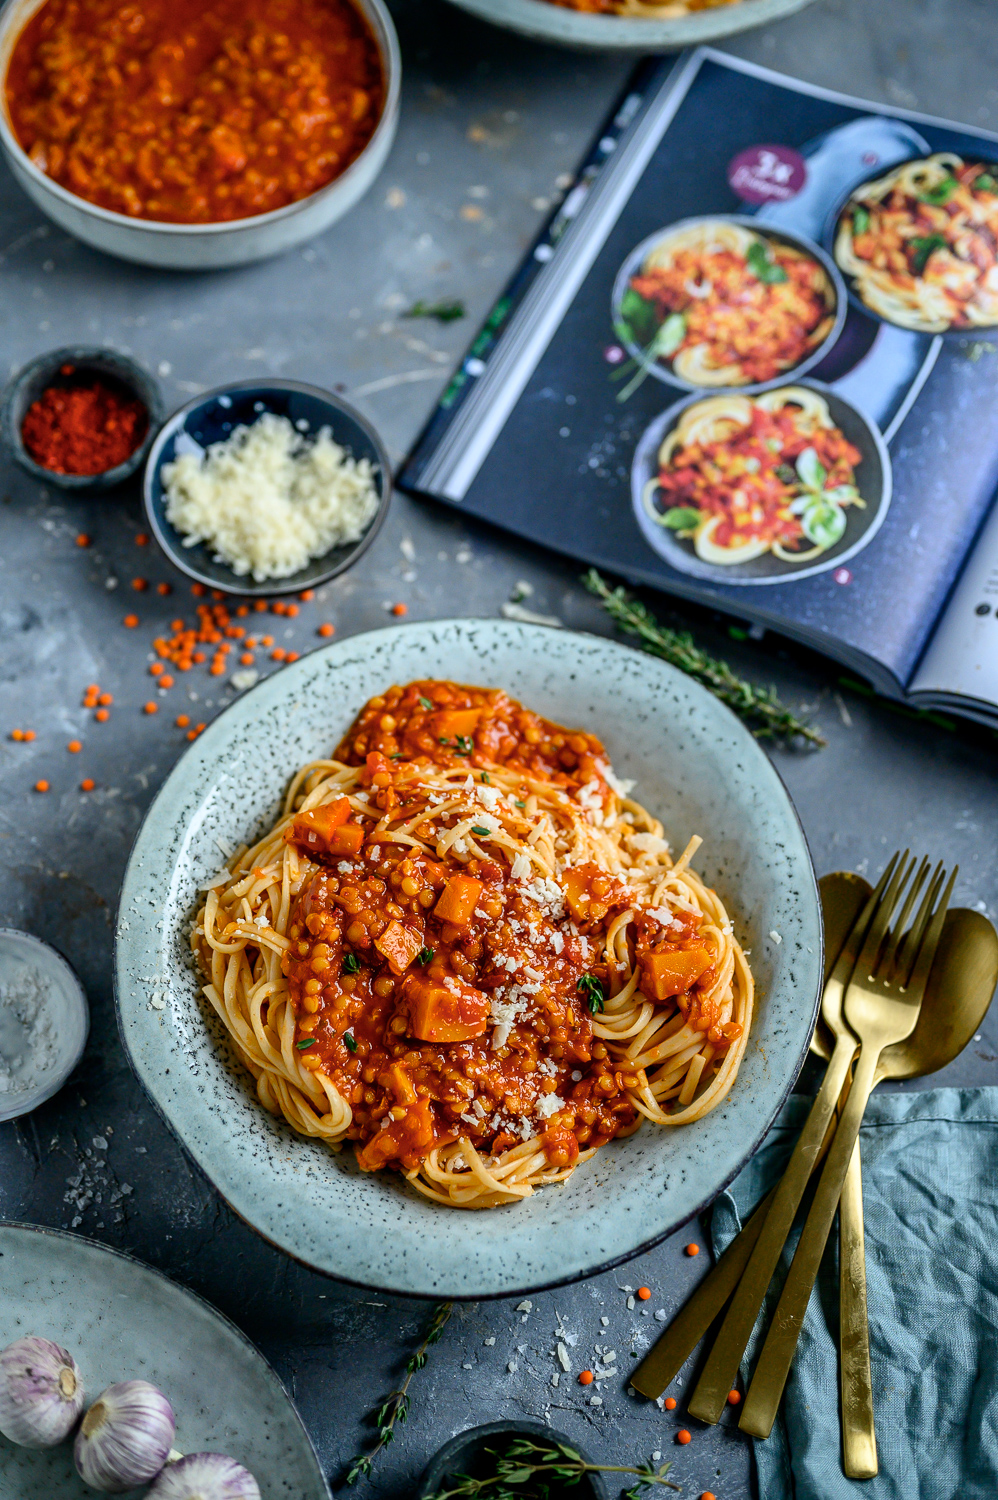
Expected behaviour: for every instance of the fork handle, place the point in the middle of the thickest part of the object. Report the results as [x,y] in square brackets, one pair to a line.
[763,1398]
[710,1397]
[859,1437]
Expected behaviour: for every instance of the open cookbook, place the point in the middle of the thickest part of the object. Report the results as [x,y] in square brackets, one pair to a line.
[753,361]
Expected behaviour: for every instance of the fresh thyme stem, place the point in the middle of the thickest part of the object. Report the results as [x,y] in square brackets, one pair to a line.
[525,1460]
[395,1409]
[760,708]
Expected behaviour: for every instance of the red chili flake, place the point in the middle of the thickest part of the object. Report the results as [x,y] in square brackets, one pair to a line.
[87,425]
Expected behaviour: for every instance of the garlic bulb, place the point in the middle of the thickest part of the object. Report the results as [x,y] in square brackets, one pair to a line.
[205,1476]
[41,1393]
[125,1438]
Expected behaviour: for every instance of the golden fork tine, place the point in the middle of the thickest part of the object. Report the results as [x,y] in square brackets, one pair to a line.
[900,926]
[870,951]
[928,933]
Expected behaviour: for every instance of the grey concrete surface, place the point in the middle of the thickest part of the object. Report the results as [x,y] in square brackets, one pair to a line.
[490,125]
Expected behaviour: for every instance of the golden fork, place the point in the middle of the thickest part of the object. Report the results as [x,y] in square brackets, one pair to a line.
[711,1393]
[881,1006]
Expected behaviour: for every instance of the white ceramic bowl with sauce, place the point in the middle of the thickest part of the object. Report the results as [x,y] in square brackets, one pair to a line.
[205,247]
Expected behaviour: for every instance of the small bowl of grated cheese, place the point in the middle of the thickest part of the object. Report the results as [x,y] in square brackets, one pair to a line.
[266,489]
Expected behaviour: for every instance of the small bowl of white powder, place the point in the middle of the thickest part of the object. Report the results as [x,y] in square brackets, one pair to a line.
[266,489]
[44,1021]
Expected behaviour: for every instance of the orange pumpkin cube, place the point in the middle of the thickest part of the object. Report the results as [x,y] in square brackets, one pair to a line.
[672,973]
[312,829]
[438,1013]
[458,900]
[399,944]
[452,723]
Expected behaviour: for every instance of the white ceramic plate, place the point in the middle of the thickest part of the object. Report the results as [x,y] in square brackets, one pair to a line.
[694,765]
[574,28]
[122,1320]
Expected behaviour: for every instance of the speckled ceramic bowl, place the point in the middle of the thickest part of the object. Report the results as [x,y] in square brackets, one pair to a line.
[694,765]
[545,22]
[63,1026]
[122,1320]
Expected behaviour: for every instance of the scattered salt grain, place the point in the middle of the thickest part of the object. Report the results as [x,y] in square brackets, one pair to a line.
[776,936]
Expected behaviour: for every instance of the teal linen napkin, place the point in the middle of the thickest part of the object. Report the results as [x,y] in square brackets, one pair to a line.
[930,1184]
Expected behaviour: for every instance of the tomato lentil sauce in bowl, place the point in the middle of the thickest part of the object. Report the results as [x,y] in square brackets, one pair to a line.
[195,134]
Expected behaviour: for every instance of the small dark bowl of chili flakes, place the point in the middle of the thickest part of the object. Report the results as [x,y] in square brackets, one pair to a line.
[81,418]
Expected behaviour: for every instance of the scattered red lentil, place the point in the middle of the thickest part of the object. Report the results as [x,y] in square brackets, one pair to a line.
[29,734]
[708,1495]
[266,640]
[247,658]
[307,594]
[260,606]
[83,540]
[278,653]
[102,716]
[197,589]
[87,786]
[17,734]
[182,721]
[156,668]
[683,1437]
[142,540]
[734,1397]
[131,621]
[166,681]
[644,1293]
[291,610]
[105,700]
[150,708]
[164,588]
[692,1249]
[74,747]
[400,609]
[327,629]
[586,1377]
[292,656]
[217,595]
[670,1403]
[140,585]
[41,786]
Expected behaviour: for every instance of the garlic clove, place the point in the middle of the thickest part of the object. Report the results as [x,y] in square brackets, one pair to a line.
[125,1438]
[205,1476]
[41,1393]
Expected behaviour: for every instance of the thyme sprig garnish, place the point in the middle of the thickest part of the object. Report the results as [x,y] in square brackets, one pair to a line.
[394,1411]
[529,1470]
[760,708]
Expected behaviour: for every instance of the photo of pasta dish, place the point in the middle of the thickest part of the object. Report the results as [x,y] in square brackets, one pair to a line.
[921,243]
[465,949]
[722,305]
[741,476]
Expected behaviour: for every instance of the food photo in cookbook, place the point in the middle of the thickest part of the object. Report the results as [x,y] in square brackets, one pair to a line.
[488,521]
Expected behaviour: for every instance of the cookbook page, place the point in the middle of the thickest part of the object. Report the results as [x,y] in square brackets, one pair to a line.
[962,658]
[751,363]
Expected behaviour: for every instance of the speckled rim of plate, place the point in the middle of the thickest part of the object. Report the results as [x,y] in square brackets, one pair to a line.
[147,1287]
[543,21]
[74,1022]
[696,766]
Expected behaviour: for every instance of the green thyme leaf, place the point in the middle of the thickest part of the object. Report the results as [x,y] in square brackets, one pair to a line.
[482,833]
[444,312]
[518,803]
[424,955]
[306,1041]
[592,992]
[425,703]
[349,1041]
[761,709]
[351,963]
[465,745]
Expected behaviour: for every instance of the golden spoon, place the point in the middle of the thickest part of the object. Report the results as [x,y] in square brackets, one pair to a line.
[958,998]
[959,992]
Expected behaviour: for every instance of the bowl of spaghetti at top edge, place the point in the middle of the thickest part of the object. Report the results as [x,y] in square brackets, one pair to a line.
[490,987]
[761,489]
[918,244]
[629,25]
[691,299]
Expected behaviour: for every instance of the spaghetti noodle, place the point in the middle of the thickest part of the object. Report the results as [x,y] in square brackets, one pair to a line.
[463,947]
[921,243]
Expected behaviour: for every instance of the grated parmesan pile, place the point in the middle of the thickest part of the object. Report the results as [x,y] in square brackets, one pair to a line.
[268,499]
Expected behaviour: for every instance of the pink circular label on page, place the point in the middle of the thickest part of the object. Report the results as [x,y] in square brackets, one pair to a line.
[767,174]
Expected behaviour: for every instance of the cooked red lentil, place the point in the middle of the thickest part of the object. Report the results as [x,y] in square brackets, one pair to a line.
[194,111]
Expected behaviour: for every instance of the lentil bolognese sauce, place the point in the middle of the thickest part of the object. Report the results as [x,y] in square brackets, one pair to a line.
[194,111]
[464,948]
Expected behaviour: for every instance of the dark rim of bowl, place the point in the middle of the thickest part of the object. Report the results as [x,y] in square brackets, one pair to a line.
[664,373]
[452,1453]
[169,539]
[830,235]
[103,361]
[531,1288]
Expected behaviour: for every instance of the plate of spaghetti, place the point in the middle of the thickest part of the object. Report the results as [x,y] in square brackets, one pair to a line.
[761,489]
[724,302]
[630,25]
[453,961]
[919,244]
